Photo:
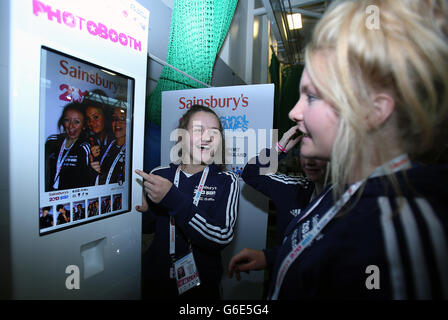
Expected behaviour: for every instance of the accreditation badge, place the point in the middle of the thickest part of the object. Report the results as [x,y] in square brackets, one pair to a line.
[186,273]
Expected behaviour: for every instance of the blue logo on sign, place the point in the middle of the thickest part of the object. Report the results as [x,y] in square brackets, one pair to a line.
[235,122]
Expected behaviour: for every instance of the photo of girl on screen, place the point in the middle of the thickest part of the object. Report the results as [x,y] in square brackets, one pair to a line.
[111,167]
[67,153]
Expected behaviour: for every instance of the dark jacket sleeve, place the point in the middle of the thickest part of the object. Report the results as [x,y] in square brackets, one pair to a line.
[208,227]
[271,255]
[149,218]
[271,185]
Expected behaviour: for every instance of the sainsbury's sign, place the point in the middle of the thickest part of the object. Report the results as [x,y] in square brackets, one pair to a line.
[232,102]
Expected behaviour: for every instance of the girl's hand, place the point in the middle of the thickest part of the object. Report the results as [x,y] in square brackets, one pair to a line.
[289,138]
[156,187]
[246,260]
[95,165]
[95,151]
[144,207]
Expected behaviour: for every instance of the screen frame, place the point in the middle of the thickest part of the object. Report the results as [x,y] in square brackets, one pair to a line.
[129,150]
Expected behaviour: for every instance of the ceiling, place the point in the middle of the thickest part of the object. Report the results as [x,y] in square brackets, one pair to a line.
[289,44]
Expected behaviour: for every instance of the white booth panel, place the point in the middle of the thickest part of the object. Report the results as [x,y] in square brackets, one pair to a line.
[106,35]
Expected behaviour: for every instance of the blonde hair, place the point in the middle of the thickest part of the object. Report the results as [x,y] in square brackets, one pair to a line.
[406,56]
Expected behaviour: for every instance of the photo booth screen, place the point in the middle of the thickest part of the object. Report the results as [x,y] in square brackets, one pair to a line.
[85,122]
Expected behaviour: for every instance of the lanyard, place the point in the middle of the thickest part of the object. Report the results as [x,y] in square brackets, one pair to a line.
[112,167]
[107,151]
[399,163]
[109,174]
[316,203]
[60,161]
[104,143]
[196,199]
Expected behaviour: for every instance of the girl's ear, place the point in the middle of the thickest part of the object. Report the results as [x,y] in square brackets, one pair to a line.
[383,106]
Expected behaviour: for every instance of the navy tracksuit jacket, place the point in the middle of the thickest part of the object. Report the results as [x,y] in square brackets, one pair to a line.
[384,245]
[290,194]
[209,226]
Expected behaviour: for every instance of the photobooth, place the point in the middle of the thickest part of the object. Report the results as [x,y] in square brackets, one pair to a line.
[69,231]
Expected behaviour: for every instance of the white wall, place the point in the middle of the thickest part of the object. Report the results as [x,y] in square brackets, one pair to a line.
[260,57]
[237,49]
[246,49]
[158,36]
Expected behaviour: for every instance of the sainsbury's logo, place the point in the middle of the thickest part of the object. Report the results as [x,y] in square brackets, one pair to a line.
[214,102]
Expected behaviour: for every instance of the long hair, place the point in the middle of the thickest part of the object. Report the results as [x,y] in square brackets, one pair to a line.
[406,56]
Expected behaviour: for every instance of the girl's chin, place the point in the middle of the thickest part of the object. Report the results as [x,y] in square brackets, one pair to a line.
[306,151]
[203,160]
[118,136]
[310,153]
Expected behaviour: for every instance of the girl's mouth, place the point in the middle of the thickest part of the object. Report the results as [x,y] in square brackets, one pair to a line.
[306,136]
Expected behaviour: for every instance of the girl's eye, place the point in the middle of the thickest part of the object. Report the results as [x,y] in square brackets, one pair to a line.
[74,121]
[311,98]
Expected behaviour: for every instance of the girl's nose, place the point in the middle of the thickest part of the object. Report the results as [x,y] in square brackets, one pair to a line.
[206,136]
[296,113]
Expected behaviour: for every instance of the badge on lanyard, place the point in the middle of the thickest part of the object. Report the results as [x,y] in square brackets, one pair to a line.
[186,273]
[184,269]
